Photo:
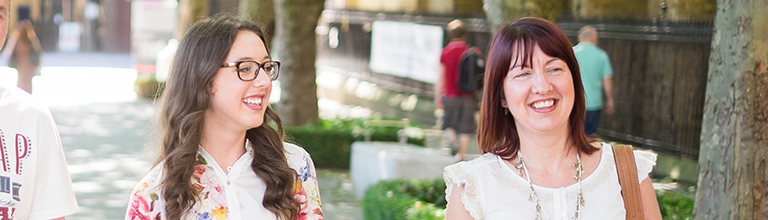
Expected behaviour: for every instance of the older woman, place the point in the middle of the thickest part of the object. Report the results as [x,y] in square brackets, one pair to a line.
[538,164]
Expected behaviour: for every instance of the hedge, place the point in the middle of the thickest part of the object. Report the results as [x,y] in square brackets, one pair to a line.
[148,87]
[329,141]
[675,205]
[328,148]
[404,199]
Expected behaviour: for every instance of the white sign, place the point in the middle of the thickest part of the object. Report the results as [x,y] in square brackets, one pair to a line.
[407,50]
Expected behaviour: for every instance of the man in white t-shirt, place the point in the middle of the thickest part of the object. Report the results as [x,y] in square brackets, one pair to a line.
[34,180]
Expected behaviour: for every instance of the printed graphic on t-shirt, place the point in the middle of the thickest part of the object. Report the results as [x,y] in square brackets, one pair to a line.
[14,149]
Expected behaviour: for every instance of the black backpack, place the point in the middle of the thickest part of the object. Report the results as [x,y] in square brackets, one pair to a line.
[471,70]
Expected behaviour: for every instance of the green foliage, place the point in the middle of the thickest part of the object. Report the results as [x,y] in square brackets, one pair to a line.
[468,7]
[405,199]
[329,146]
[675,205]
[425,199]
[329,141]
[389,134]
[430,191]
[550,9]
[147,86]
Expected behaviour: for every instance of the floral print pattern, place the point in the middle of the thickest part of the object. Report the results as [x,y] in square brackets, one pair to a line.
[146,204]
[308,196]
[141,206]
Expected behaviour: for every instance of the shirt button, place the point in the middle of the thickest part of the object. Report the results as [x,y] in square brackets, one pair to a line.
[228,182]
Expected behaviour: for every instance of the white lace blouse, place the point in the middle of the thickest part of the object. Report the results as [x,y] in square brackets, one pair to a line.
[492,190]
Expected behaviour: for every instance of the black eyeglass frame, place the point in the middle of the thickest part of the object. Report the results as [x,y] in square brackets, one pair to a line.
[261,66]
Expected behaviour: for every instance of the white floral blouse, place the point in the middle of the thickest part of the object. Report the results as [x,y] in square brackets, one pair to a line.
[236,195]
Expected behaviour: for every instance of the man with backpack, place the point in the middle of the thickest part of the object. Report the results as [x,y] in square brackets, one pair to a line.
[458,105]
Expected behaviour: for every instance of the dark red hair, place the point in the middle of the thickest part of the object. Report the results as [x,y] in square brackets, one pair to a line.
[496,131]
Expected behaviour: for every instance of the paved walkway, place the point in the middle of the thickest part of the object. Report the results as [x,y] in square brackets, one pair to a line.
[104,145]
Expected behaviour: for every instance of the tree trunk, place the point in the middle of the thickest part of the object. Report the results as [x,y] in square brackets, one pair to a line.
[263,13]
[190,11]
[295,47]
[733,159]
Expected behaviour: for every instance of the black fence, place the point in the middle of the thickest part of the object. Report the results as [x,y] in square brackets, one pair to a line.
[660,73]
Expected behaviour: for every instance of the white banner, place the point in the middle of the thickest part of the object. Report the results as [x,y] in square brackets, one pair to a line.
[407,50]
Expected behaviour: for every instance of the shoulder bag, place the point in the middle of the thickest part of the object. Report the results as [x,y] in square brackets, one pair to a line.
[630,187]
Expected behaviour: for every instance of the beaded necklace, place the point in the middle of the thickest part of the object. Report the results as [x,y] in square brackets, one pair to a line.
[535,198]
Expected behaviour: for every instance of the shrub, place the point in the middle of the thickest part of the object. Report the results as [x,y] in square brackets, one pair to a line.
[146,86]
[405,199]
[329,141]
[675,205]
[329,148]
[388,134]
[424,199]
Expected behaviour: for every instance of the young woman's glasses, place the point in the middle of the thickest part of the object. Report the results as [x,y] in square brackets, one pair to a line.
[248,70]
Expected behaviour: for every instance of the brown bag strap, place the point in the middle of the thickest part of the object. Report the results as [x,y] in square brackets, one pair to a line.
[630,186]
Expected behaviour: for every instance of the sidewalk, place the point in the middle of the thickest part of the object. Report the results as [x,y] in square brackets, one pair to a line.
[104,146]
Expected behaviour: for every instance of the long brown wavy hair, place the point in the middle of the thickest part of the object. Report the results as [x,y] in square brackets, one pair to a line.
[496,131]
[187,96]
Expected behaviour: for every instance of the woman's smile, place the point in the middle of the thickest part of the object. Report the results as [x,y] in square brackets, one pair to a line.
[544,106]
[254,102]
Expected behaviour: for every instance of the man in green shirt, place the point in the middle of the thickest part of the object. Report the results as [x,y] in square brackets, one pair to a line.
[596,76]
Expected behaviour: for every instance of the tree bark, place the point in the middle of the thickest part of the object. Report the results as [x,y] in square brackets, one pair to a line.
[190,11]
[734,137]
[263,13]
[294,45]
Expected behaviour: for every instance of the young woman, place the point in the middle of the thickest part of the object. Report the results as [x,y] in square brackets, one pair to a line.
[223,155]
[538,163]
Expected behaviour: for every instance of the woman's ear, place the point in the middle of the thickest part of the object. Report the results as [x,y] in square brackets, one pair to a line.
[504,103]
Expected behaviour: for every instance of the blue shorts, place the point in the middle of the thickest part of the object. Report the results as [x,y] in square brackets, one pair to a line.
[593,119]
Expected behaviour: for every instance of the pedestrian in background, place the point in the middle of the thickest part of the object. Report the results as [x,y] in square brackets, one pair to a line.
[222,151]
[537,161]
[25,54]
[458,106]
[34,180]
[596,74]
